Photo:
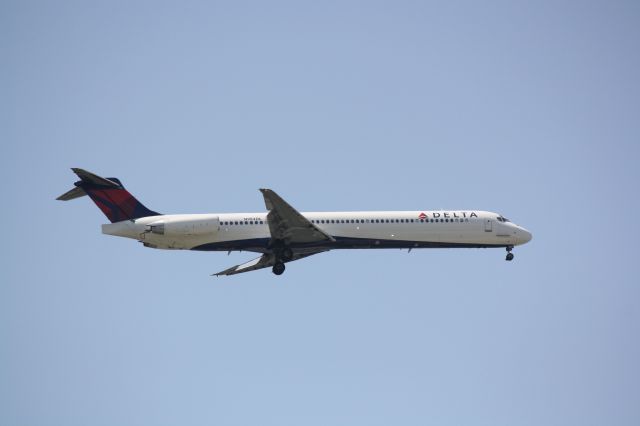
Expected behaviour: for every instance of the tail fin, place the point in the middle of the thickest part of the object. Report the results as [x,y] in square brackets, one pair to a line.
[109,195]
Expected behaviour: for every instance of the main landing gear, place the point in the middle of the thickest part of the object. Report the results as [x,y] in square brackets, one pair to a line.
[283,254]
[509,254]
[286,254]
[278,268]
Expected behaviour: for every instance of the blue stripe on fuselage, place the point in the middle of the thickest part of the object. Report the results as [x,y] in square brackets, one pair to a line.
[262,244]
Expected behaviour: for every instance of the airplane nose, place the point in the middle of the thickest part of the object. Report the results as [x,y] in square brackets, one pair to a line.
[524,236]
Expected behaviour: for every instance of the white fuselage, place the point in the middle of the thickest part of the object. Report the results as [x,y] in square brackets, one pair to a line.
[373,229]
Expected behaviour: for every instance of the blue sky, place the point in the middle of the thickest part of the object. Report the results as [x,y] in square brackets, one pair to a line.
[530,110]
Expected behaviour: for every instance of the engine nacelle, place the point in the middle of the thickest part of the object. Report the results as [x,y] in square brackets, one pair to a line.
[185,226]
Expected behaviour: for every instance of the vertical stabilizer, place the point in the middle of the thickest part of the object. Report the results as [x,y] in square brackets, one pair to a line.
[109,195]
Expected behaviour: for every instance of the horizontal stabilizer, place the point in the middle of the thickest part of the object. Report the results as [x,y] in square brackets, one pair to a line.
[72,194]
[96,180]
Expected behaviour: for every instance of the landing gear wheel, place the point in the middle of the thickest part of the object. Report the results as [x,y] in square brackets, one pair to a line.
[287,254]
[509,254]
[278,268]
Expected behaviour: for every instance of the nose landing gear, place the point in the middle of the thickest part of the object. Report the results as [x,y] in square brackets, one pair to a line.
[509,254]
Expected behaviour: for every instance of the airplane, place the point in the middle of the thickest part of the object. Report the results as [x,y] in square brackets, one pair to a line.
[282,234]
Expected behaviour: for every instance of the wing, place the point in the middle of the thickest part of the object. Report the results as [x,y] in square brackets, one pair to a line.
[264,261]
[288,225]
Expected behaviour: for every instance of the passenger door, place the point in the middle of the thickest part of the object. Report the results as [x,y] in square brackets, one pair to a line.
[488,225]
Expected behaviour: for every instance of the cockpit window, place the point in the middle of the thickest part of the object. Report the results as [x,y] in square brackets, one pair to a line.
[503,219]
